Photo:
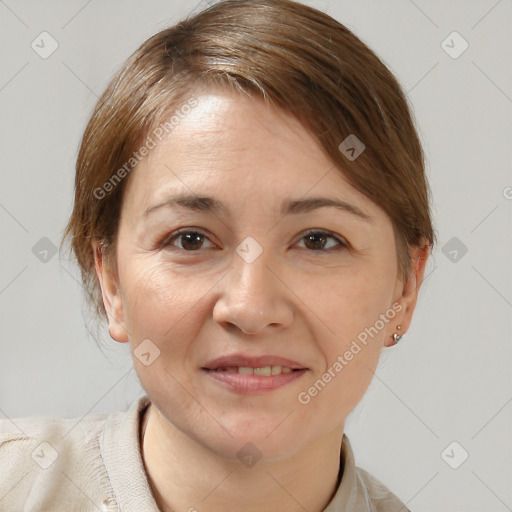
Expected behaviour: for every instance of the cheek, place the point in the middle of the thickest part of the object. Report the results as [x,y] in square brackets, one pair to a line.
[355,312]
[163,306]
[331,397]
[157,301]
[353,303]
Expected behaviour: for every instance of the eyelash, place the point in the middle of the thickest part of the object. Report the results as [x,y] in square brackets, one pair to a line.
[342,244]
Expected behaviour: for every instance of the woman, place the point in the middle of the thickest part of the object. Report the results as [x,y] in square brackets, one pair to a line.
[252,217]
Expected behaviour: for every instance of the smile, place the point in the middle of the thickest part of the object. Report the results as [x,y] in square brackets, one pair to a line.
[266,371]
[246,380]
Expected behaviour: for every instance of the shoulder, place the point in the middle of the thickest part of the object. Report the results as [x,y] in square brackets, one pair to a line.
[375,495]
[61,437]
[44,457]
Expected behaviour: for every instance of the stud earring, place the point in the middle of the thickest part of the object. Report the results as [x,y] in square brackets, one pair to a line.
[397,337]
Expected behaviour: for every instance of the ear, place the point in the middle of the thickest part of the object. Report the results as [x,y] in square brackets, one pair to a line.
[406,292]
[111,293]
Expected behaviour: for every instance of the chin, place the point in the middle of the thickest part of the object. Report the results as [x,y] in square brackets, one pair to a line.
[272,433]
[269,437]
[255,446]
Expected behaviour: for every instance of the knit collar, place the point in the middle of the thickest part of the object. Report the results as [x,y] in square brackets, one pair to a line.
[120,448]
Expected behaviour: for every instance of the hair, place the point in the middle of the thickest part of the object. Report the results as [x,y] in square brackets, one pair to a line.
[292,56]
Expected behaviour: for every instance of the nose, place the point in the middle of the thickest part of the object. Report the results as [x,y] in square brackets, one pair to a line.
[253,298]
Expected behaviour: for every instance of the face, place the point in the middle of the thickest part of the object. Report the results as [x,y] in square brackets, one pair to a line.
[233,255]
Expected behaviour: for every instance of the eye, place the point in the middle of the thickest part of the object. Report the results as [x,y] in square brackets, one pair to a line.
[189,240]
[314,240]
[317,240]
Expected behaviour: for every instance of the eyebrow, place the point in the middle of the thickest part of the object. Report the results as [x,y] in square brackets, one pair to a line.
[289,207]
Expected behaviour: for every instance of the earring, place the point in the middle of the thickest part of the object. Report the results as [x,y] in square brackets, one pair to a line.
[397,337]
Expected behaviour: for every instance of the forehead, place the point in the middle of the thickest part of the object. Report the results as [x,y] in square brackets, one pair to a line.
[228,126]
[237,148]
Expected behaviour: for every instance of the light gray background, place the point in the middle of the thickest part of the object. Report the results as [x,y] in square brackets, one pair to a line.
[450,377]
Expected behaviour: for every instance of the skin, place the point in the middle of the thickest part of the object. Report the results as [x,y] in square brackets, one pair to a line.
[295,301]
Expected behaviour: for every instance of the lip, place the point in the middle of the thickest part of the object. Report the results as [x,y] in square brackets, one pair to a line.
[253,384]
[252,362]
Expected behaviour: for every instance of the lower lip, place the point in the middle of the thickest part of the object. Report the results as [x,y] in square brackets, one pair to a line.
[254,383]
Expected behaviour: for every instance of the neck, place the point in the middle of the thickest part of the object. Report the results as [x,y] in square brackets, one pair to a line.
[185,475]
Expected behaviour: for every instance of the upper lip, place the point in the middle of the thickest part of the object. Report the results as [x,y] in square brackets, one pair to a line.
[240,360]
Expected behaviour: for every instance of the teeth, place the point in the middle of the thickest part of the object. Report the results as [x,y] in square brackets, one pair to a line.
[276,370]
[265,371]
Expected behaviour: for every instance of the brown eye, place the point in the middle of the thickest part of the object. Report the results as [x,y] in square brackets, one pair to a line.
[188,240]
[318,241]
[191,241]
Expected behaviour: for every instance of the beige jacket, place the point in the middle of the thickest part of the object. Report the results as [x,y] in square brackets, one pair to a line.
[94,464]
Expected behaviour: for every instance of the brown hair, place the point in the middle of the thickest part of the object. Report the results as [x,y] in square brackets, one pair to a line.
[294,57]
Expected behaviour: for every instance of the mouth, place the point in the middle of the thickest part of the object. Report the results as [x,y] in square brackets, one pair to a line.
[265,371]
[244,374]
